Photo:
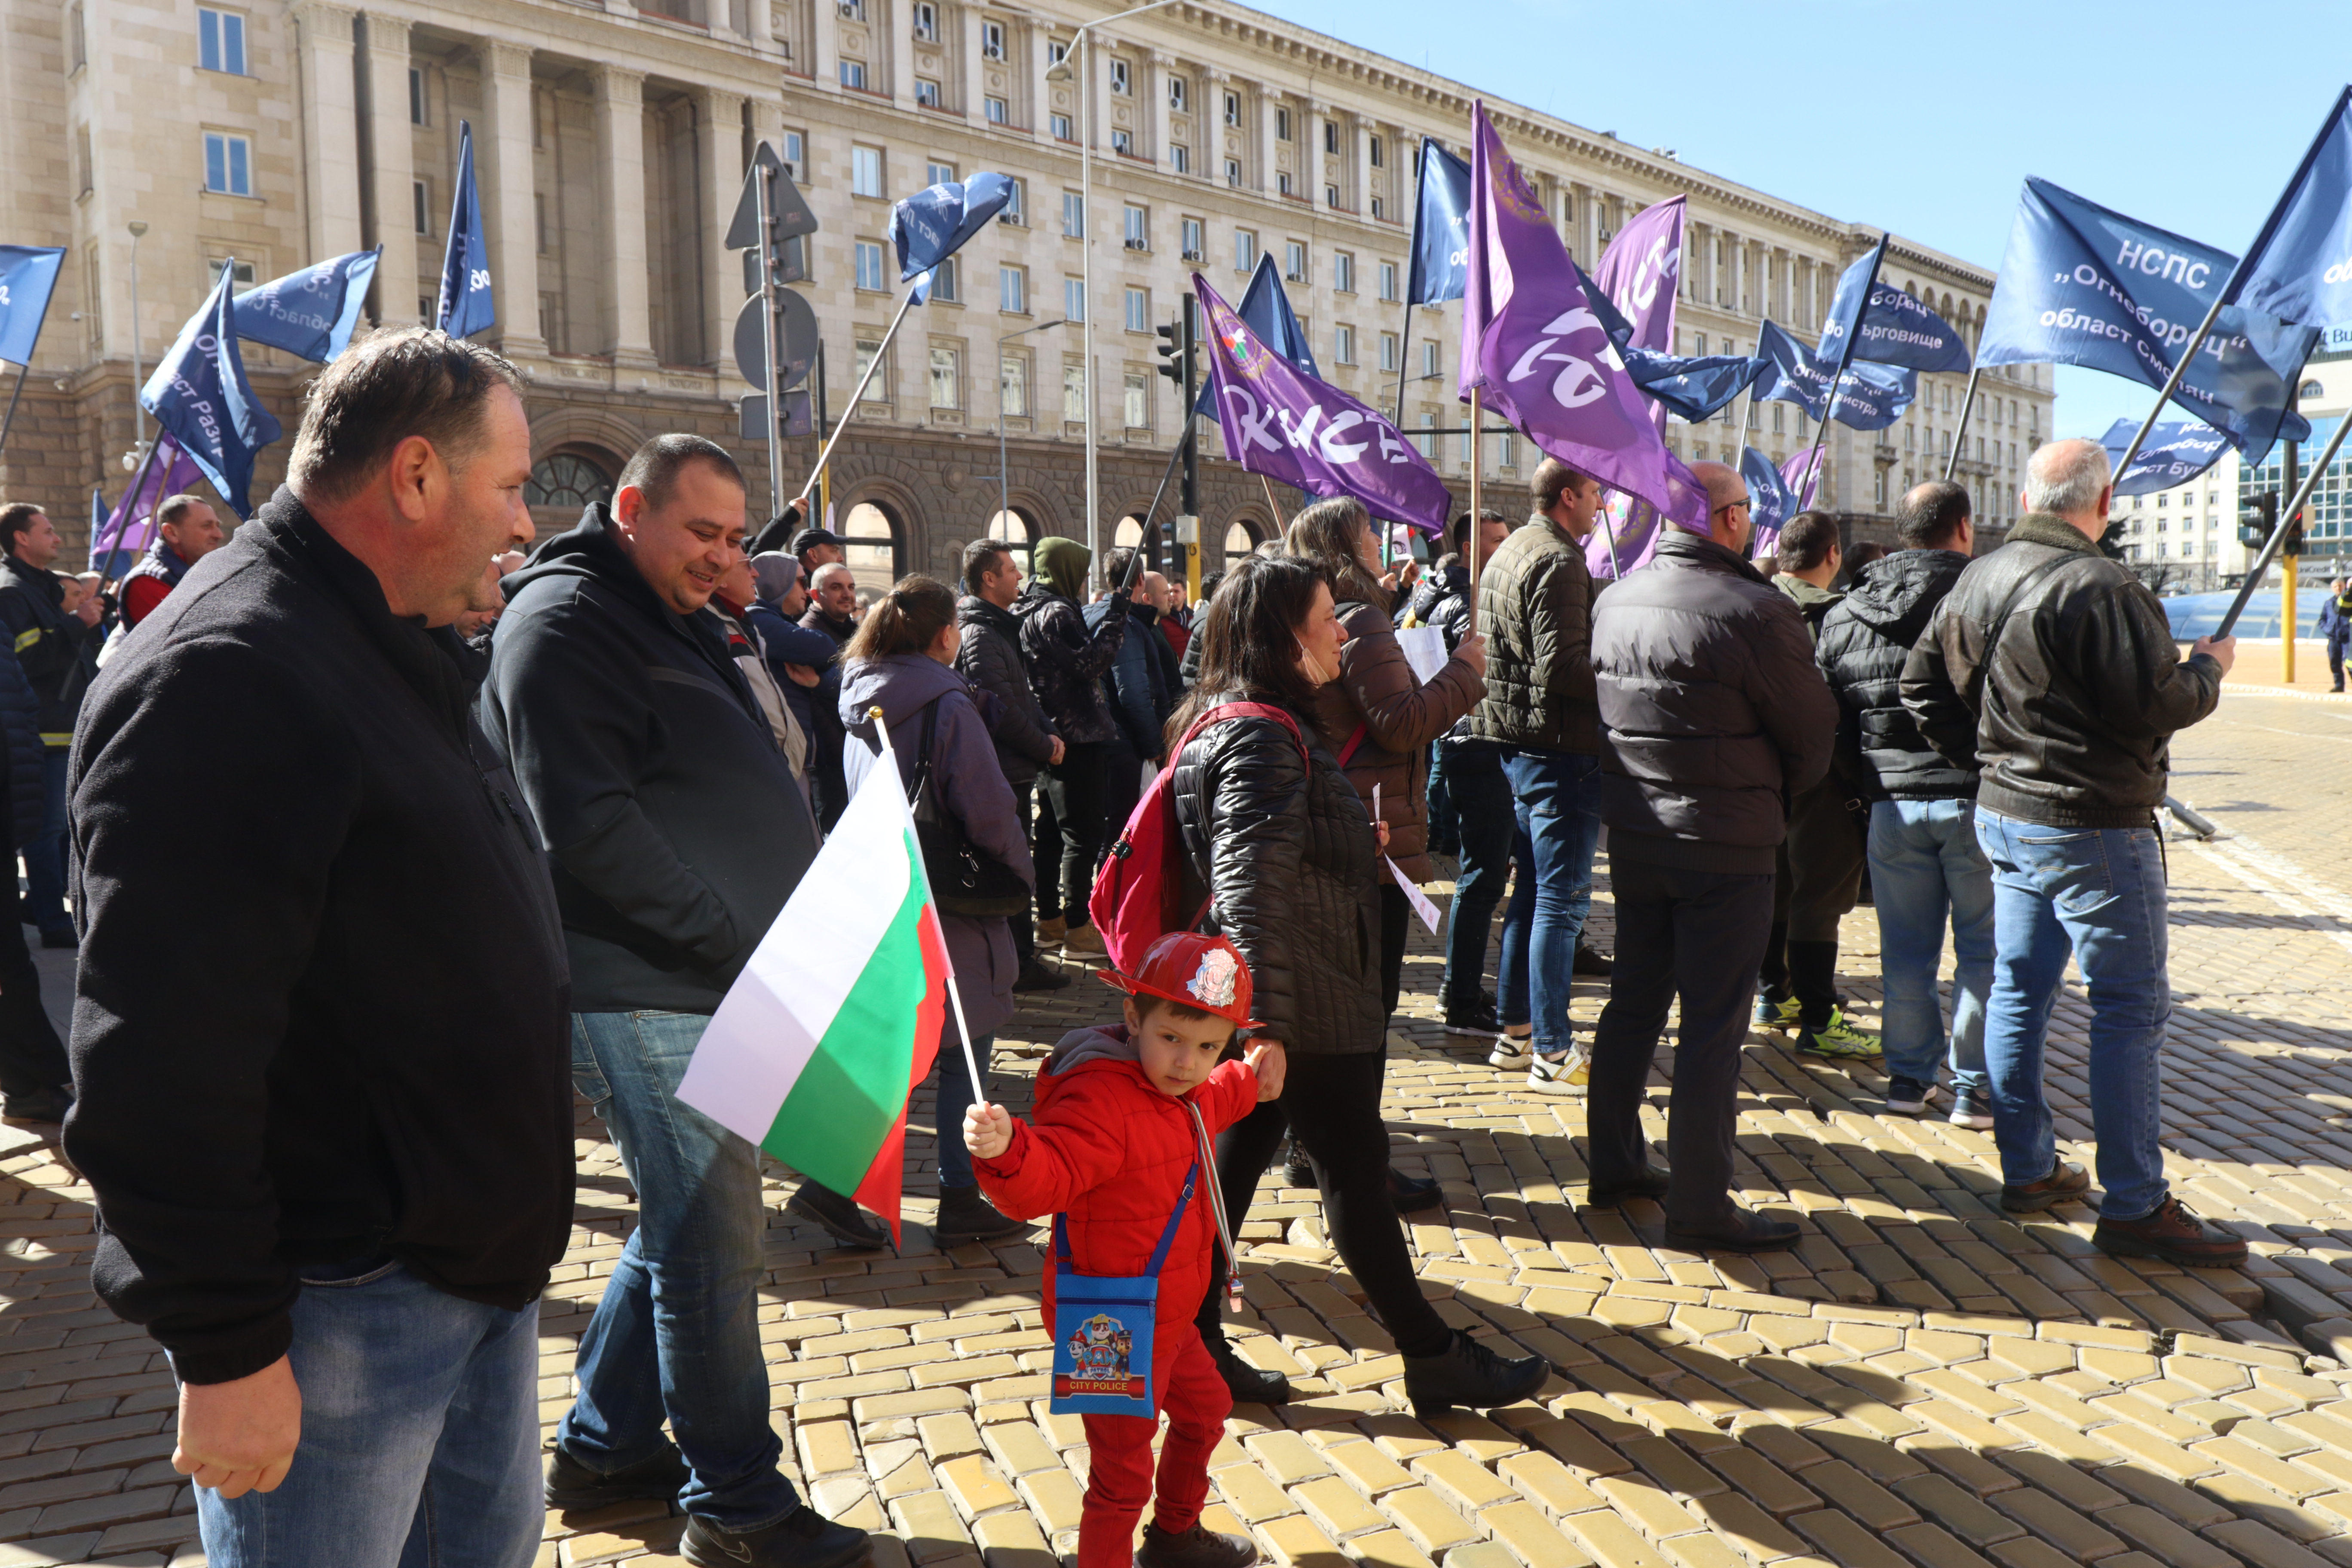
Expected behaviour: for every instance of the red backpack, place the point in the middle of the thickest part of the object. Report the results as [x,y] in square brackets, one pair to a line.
[1135,901]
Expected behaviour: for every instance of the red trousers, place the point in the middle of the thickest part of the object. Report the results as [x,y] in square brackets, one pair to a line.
[1196,1401]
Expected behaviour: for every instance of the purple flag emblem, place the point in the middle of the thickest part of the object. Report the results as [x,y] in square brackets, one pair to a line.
[1642,273]
[1281,422]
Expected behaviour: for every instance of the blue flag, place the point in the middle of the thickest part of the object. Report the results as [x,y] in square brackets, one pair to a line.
[2175,452]
[1696,388]
[1899,330]
[464,307]
[199,395]
[1842,331]
[933,224]
[310,313]
[1869,397]
[29,274]
[1441,228]
[2299,268]
[1265,310]
[1771,499]
[2084,285]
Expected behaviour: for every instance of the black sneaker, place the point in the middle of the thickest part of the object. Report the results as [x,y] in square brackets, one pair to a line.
[1477,1018]
[573,1488]
[1036,977]
[1297,1170]
[1971,1108]
[1248,1385]
[841,1217]
[1467,1373]
[40,1105]
[966,1217]
[1199,1547]
[1590,963]
[1747,1233]
[1410,1194]
[802,1539]
[1907,1096]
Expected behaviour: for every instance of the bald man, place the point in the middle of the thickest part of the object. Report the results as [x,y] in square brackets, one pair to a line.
[2054,669]
[1714,715]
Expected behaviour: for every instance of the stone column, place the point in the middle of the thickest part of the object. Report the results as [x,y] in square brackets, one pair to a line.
[975,80]
[621,158]
[1269,148]
[1099,53]
[1362,183]
[824,46]
[507,180]
[391,169]
[760,24]
[1162,118]
[718,124]
[331,125]
[1209,123]
[1035,88]
[893,28]
[1311,122]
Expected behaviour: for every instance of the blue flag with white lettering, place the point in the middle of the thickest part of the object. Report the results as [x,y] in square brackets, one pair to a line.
[200,396]
[1842,329]
[933,224]
[2084,285]
[1771,499]
[1869,397]
[2174,453]
[2299,268]
[1897,329]
[464,306]
[1441,228]
[310,313]
[29,274]
[1696,388]
[1265,310]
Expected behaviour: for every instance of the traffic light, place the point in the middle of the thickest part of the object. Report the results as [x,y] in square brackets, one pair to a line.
[1173,357]
[2257,518]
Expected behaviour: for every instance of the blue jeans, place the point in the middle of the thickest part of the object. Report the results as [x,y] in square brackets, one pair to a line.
[677,1334]
[956,1096]
[1482,801]
[420,1437]
[1556,801]
[45,856]
[1926,863]
[2098,893]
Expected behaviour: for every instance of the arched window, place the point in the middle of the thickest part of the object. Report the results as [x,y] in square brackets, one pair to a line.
[1018,532]
[1130,531]
[567,480]
[869,537]
[2311,389]
[1241,538]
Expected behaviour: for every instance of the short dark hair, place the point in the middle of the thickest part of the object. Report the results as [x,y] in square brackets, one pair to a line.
[1806,540]
[980,558]
[653,469]
[1931,514]
[15,522]
[176,507]
[1210,582]
[1147,1003]
[1553,479]
[1249,640]
[418,380]
[1457,532]
[1114,566]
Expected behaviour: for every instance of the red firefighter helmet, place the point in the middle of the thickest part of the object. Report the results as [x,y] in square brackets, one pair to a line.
[1203,972]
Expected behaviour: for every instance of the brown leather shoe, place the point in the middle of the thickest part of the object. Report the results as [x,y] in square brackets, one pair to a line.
[2173,1235]
[2064,1182]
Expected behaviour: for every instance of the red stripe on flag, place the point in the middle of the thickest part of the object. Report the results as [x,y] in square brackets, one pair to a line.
[879,1191]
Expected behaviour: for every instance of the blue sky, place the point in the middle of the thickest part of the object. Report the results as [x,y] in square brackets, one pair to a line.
[1923,119]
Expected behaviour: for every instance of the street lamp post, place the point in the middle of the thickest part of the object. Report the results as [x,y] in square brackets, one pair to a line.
[1004,486]
[138,364]
[1066,70]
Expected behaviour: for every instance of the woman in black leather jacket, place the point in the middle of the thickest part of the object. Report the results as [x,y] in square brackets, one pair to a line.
[1281,848]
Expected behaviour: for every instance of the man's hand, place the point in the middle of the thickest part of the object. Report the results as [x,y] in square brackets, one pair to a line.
[90,609]
[987,1131]
[1059,752]
[802,675]
[1472,651]
[2223,653]
[1267,1059]
[240,1436]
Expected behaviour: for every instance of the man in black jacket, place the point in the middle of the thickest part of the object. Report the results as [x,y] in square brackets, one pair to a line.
[35,1080]
[1924,858]
[331,1143]
[990,658]
[60,655]
[677,834]
[1714,715]
[1136,691]
[2054,669]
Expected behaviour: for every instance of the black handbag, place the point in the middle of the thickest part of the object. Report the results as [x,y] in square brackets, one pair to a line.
[964,881]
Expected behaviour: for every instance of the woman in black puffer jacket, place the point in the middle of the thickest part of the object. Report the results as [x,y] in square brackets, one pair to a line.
[1280,846]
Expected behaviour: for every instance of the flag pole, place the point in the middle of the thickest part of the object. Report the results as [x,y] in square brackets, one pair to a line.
[1967,402]
[2277,541]
[130,508]
[955,997]
[25,370]
[2171,384]
[1271,504]
[1404,357]
[881,351]
[1477,441]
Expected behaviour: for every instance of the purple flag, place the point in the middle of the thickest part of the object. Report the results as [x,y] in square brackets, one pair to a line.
[1642,273]
[1531,343]
[1281,422]
[170,472]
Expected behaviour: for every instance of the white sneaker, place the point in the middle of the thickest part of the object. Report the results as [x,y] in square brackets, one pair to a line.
[1560,1075]
[1511,1050]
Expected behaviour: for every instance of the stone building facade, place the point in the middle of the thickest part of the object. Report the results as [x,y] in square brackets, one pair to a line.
[611,139]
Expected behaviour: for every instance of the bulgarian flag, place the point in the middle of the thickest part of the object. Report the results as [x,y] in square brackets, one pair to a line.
[836,1018]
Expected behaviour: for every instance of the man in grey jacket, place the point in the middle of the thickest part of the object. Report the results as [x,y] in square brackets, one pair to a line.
[990,658]
[1714,715]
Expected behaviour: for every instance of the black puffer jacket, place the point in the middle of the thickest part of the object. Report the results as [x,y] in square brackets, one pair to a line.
[1864,643]
[1284,853]
[20,714]
[1714,710]
[2071,702]
[1442,600]
[1534,605]
[990,658]
[1066,665]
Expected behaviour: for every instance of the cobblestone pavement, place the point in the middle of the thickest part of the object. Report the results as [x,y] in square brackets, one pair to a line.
[1925,1382]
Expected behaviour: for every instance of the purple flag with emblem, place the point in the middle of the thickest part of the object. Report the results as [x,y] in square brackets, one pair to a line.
[1533,346]
[1281,422]
[1642,273]
[130,529]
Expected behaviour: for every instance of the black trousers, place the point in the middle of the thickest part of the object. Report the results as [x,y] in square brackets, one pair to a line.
[1069,831]
[1025,924]
[1332,1105]
[1819,879]
[32,1058]
[1698,934]
[1396,926]
[1122,786]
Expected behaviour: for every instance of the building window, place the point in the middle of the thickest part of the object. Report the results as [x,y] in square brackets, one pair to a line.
[1016,205]
[853,10]
[1180,96]
[1073,393]
[795,157]
[1244,250]
[220,41]
[1233,109]
[1119,80]
[1013,290]
[1343,272]
[878,389]
[853,74]
[420,197]
[416,96]
[1429,358]
[1387,280]
[997,112]
[539,215]
[1074,298]
[1139,400]
[927,93]
[1332,196]
[1013,387]
[1060,126]
[1282,182]
[945,284]
[85,174]
[243,278]
[865,171]
[939,173]
[1195,246]
[77,40]
[1387,351]
[1294,261]
[228,164]
[1427,445]
[1057,52]
[1282,124]
[567,480]
[1376,152]
[1139,309]
[1331,136]
[1507,450]
[947,378]
[1379,208]
[1179,158]
[1139,228]
[927,21]
[1123,142]
[870,275]
[1343,344]
[992,40]
[1234,172]
[1074,215]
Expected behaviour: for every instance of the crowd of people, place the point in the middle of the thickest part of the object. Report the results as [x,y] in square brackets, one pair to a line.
[484,831]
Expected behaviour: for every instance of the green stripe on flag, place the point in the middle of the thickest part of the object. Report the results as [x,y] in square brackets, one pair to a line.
[850,1093]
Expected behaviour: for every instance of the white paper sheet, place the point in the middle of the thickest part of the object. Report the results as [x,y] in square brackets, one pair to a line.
[1424,649]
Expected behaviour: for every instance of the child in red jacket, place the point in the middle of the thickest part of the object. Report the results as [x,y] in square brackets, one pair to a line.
[1108,1151]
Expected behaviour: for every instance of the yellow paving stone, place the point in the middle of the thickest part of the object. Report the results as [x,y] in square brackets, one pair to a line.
[1020,1449]
[1648,1506]
[1389,1549]
[1613,1542]
[2027,1358]
[1294,1541]
[1011,1540]
[1286,1457]
[975,1487]
[2145,1448]
[1363,1466]
[1531,1538]
[1054,1497]
[1464,1483]
[1756,1533]
[1426,1520]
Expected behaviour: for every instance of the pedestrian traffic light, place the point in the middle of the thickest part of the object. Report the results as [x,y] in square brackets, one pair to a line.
[2257,518]
[1173,354]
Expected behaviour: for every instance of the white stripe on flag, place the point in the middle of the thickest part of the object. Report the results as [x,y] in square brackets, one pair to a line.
[780,1005]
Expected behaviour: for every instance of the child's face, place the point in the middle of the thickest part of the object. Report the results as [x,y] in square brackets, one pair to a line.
[1179,1054]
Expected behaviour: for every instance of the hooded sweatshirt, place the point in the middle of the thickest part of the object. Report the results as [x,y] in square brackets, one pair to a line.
[675,825]
[969,784]
[1065,663]
[1864,643]
[1110,1151]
